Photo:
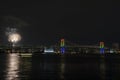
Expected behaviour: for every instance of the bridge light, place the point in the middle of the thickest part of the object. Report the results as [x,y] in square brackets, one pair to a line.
[62,45]
[102,47]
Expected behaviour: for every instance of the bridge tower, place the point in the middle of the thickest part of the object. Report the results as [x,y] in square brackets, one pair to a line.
[102,48]
[62,46]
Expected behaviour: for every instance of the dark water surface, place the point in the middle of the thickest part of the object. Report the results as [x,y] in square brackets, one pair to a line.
[48,67]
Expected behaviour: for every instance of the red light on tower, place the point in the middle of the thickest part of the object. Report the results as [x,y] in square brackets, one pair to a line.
[101,44]
[62,44]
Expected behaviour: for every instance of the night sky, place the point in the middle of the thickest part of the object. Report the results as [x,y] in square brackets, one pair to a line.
[46,21]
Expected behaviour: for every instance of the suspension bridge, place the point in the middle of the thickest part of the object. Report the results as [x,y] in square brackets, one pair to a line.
[69,47]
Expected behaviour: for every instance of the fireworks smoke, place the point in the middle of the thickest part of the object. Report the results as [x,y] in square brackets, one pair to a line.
[12,21]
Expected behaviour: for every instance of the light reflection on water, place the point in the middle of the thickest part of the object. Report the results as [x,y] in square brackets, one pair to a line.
[62,68]
[102,69]
[12,70]
[14,67]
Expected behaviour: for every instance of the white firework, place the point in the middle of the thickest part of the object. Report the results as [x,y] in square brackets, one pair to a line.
[13,35]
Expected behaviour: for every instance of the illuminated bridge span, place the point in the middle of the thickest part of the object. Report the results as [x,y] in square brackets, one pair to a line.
[69,48]
[75,48]
[70,44]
